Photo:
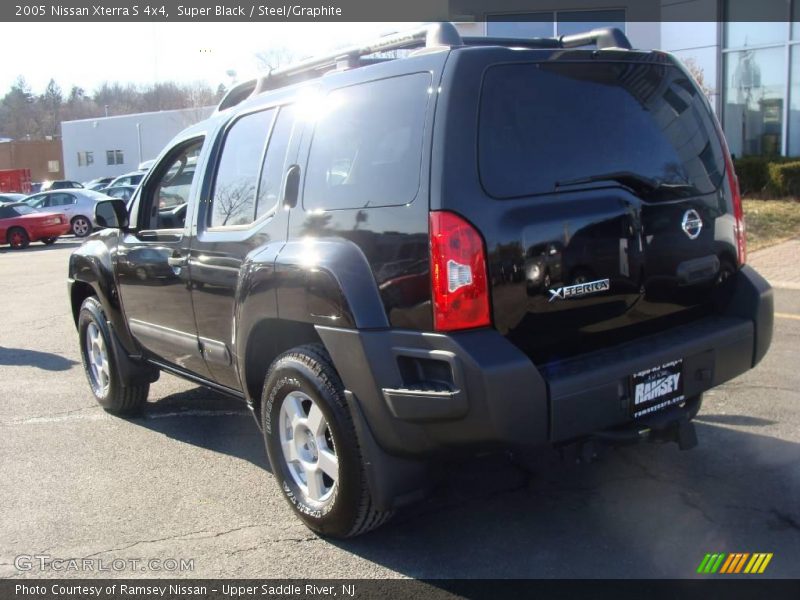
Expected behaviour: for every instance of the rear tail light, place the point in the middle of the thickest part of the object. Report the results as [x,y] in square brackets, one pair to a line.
[458,273]
[738,210]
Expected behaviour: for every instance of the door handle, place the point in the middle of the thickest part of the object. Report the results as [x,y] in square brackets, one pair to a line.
[291,187]
[178,261]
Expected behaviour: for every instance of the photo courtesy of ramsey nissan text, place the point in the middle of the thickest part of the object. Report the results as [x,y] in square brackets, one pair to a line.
[364,299]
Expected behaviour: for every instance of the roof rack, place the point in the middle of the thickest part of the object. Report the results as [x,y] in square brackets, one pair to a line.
[605,39]
[438,35]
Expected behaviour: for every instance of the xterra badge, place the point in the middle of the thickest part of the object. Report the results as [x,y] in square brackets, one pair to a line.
[580,289]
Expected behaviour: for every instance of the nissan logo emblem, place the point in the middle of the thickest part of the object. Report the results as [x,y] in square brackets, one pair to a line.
[692,224]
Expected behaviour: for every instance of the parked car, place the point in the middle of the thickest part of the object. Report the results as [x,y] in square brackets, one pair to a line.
[60,184]
[98,184]
[77,205]
[8,198]
[20,225]
[132,178]
[491,244]
[120,191]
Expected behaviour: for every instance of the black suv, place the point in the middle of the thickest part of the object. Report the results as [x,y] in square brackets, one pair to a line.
[482,244]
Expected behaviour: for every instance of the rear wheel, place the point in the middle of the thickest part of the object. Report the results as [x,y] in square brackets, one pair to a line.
[49,241]
[99,364]
[312,445]
[18,238]
[81,226]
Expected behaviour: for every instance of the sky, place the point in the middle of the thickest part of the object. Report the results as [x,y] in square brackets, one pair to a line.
[86,54]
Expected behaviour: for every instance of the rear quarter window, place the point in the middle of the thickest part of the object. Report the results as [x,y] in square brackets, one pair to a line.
[366,149]
[542,123]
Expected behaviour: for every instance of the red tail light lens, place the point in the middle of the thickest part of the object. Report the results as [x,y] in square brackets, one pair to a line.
[738,211]
[458,273]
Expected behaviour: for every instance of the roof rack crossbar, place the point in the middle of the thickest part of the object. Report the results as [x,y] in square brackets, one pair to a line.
[513,42]
[605,38]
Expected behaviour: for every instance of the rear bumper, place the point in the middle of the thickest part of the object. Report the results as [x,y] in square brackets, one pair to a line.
[422,393]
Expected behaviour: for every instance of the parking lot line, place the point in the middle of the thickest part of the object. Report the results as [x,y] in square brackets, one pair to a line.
[780,315]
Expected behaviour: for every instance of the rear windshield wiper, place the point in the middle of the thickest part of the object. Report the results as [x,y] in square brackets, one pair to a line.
[638,183]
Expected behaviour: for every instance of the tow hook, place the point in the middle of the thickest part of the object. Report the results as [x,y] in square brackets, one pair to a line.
[681,432]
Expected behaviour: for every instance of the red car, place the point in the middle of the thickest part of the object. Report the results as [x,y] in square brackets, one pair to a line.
[20,225]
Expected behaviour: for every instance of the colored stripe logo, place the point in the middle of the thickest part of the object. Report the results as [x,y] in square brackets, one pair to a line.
[734,563]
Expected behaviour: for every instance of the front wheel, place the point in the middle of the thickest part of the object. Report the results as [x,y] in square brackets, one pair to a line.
[312,445]
[110,391]
[49,241]
[81,227]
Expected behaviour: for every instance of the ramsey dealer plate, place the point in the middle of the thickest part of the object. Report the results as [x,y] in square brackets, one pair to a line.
[657,388]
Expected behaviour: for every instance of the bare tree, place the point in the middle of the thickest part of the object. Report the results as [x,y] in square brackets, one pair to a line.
[51,102]
[233,204]
[699,76]
[274,58]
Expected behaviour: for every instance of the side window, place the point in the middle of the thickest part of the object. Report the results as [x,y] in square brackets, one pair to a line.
[274,167]
[164,200]
[367,147]
[61,200]
[234,199]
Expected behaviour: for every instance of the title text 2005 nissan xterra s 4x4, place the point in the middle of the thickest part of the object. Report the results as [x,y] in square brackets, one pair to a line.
[484,243]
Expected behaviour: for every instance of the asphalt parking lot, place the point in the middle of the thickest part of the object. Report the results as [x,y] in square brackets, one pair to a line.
[190,479]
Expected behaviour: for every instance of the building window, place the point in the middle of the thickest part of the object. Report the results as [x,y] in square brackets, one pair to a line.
[85,159]
[757,115]
[114,157]
[569,22]
[755,83]
[552,23]
[525,25]
[53,166]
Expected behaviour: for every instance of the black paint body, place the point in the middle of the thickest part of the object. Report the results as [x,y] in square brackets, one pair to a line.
[358,280]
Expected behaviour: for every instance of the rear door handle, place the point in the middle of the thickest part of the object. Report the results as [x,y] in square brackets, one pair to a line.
[178,261]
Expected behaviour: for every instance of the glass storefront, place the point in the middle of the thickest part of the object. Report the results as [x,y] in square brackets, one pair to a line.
[755,86]
[552,23]
[761,81]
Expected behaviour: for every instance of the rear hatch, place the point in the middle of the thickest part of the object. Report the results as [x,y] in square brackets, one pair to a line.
[597,180]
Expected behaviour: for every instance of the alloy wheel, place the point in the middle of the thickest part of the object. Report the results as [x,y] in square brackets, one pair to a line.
[307,447]
[80,227]
[97,360]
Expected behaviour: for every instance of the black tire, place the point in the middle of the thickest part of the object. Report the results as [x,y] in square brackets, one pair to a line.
[81,226]
[49,241]
[116,397]
[18,238]
[349,511]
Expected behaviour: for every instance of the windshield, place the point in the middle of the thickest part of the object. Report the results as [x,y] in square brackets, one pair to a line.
[549,126]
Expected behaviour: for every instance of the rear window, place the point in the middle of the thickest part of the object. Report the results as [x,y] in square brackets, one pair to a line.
[545,124]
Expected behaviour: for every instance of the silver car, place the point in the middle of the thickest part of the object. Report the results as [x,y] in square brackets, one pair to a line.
[76,204]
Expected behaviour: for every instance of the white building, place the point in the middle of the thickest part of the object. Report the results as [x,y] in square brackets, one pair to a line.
[109,146]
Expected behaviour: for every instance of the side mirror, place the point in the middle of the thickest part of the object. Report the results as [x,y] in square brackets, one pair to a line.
[111,213]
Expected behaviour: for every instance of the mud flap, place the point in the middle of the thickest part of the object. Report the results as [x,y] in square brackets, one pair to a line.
[132,372]
[393,481]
